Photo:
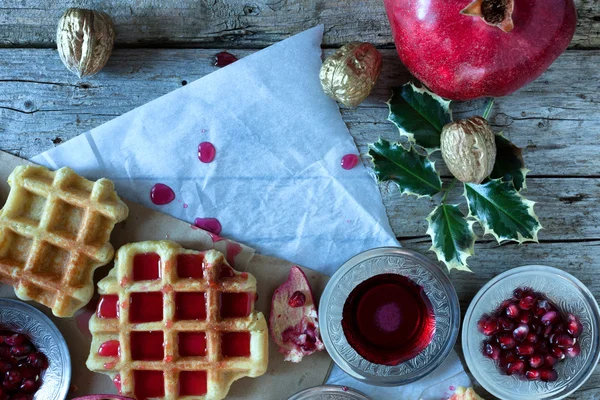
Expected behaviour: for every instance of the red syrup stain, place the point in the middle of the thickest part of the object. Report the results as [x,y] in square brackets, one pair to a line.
[110,365]
[224,58]
[206,152]
[111,348]
[108,306]
[211,225]
[349,161]
[388,319]
[117,383]
[232,250]
[235,344]
[83,316]
[192,383]
[185,206]
[452,388]
[161,194]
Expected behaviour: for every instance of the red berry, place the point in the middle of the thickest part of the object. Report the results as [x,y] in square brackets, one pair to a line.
[550,360]
[548,330]
[562,340]
[524,350]
[574,327]
[492,351]
[489,326]
[572,352]
[532,374]
[506,341]
[536,361]
[521,332]
[297,299]
[531,337]
[548,375]
[526,318]
[526,302]
[28,386]
[512,311]
[15,340]
[21,350]
[516,367]
[506,324]
[550,317]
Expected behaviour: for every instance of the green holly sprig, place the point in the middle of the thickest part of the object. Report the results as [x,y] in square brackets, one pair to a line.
[496,204]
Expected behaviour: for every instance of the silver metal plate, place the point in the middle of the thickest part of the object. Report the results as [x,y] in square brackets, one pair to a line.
[329,393]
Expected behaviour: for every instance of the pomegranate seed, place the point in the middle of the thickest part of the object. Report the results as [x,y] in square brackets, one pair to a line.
[512,311]
[518,293]
[20,350]
[506,341]
[492,351]
[5,353]
[531,337]
[28,372]
[490,326]
[22,397]
[574,327]
[536,361]
[524,350]
[28,386]
[506,324]
[526,302]
[548,375]
[542,346]
[15,340]
[537,328]
[562,340]
[12,379]
[521,332]
[548,330]
[558,353]
[551,317]
[550,360]
[516,367]
[532,374]
[37,360]
[297,299]
[572,352]
[526,318]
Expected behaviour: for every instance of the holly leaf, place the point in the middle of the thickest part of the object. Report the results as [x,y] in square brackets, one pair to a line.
[509,165]
[452,236]
[419,114]
[502,211]
[412,172]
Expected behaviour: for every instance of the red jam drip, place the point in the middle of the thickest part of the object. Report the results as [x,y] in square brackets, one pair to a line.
[117,383]
[148,384]
[388,319]
[206,152]
[236,305]
[232,250]
[211,225]
[146,307]
[349,161]
[146,267]
[192,344]
[235,344]
[192,383]
[226,272]
[190,266]
[108,306]
[161,194]
[224,58]
[112,348]
[190,306]
[147,346]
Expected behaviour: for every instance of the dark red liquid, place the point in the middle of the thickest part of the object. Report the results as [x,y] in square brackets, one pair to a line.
[211,225]
[190,266]
[147,346]
[190,306]
[388,319]
[236,305]
[235,344]
[192,344]
[161,194]
[192,383]
[148,384]
[108,306]
[146,267]
[224,58]
[206,152]
[146,307]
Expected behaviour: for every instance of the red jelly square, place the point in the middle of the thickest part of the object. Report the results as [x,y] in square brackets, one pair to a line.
[145,307]
[226,272]
[236,305]
[235,344]
[190,266]
[192,344]
[146,267]
[148,384]
[190,305]
[192,383]
[108,306]
[147,346]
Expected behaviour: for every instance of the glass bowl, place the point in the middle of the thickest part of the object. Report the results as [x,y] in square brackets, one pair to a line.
[390,260]
[20,317]
[571,296]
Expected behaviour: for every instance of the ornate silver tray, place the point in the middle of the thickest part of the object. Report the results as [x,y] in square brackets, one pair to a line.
[420,270]
[21,317]
[329,393]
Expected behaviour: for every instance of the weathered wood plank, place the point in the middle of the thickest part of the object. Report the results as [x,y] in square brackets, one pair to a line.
[555,118]
[230,23]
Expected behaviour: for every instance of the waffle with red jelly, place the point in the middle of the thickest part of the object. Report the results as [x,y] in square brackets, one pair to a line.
[54,232]
[175,323]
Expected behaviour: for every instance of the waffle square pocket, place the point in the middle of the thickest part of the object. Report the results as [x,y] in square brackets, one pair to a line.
[54,232]
[174,323]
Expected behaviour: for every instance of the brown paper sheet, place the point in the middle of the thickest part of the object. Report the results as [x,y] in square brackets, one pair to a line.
[282,378]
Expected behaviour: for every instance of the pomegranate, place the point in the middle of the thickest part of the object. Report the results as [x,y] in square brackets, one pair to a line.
[293,322]
[463,51]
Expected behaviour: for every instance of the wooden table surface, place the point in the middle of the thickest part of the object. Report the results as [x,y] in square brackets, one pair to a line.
[160,47]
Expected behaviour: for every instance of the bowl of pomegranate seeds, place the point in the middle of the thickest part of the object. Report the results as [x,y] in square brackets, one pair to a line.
[532,332]
[34,358]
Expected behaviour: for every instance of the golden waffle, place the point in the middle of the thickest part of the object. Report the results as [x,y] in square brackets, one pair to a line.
[54,232]
[176,324]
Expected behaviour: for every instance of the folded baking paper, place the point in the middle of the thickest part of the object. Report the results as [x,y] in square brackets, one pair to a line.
[276,182]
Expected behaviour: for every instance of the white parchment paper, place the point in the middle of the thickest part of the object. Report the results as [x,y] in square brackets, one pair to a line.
[276,183]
